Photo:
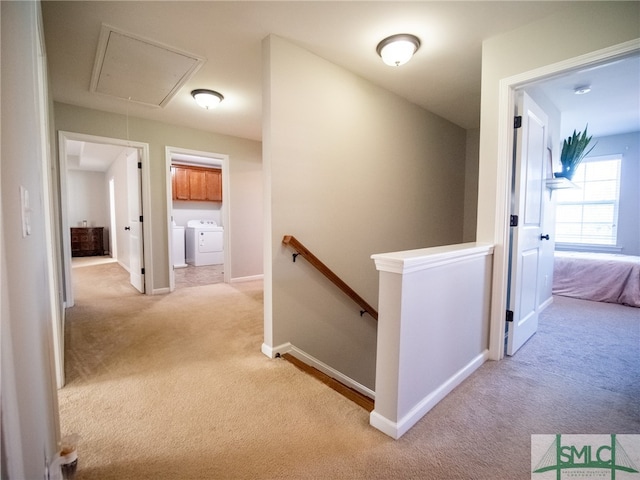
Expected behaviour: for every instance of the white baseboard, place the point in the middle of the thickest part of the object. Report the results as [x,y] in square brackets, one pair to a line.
[383,424]
[160,291]
[250,278]
[396,429]
[545,304]
[272,352]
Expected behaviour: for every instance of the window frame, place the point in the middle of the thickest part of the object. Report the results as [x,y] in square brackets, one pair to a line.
[601,247]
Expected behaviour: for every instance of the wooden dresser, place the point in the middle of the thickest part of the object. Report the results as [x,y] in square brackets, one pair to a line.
[86,241]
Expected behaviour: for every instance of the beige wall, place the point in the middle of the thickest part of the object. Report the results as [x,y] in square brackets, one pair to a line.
[352,170]
[471,185]
[245,165]
[30,425]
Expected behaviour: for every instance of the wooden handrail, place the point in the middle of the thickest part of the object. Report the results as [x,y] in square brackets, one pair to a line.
[292,242]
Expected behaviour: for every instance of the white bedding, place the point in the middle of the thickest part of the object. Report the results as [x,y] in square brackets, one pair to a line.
[602,277]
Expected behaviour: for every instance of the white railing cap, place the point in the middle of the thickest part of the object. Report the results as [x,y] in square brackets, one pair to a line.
[408,261]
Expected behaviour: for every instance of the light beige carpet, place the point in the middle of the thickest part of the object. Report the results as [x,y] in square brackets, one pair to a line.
[175,387]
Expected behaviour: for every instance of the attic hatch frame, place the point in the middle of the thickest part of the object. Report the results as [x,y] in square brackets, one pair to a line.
[178,78]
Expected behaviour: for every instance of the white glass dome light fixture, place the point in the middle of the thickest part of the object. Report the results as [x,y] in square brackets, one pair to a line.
[207,98]
[398,49]
[582,90]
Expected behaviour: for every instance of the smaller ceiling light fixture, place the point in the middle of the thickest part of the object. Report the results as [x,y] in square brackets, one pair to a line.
[398,49]
[207,98]
[583,90]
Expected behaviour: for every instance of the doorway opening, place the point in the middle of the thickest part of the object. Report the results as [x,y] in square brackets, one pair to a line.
[507,95]
[68,144]
[198,228]
[87,166]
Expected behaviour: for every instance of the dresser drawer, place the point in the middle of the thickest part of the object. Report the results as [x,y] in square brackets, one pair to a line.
[87,241]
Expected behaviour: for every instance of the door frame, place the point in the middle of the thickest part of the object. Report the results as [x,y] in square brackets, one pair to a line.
[212,159]
[143,153]
[506,106]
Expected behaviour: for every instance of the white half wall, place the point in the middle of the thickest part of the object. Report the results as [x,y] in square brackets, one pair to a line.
[433,329]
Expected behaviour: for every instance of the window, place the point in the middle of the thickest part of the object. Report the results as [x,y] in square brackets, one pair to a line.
[589,214]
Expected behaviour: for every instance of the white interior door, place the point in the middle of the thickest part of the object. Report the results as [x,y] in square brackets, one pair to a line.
[136,266]
[526,237]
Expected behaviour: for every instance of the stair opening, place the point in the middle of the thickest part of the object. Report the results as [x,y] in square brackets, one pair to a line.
[347,392]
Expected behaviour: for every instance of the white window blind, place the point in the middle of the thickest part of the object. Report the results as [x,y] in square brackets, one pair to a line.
[589,214]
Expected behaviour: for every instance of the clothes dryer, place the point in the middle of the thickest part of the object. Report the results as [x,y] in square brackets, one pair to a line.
[204,243]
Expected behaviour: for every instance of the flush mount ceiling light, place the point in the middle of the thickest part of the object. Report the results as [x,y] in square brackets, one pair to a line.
[207,98]
[398,49]
[582,90]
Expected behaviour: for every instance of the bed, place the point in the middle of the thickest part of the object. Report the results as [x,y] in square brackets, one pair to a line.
[601,277]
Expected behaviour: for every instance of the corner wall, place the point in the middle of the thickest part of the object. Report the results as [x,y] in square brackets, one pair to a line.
[352,170]
[30,425]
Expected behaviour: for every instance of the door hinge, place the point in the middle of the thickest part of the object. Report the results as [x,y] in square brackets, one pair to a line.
[139,164]
[142,271]
[509,315]
[513,221]
[140,218]
[517,121]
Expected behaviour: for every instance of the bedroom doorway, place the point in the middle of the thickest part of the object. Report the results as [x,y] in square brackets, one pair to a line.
[75,150]
[67,141]
[508,87]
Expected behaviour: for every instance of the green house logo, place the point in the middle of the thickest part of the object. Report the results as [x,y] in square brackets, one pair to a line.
[584,456]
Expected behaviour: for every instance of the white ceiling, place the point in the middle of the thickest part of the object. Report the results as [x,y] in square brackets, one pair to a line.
[611,107]
[443,77]
[94,157]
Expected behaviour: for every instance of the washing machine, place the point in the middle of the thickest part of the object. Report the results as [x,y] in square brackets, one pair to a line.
[178,255]
[204,243]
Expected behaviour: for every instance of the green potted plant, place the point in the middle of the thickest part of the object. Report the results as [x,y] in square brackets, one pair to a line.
[574,149]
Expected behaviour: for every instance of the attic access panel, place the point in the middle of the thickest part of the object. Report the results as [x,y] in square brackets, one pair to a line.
[140,70]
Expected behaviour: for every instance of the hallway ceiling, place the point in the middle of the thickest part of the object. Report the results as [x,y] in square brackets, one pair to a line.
[444,76]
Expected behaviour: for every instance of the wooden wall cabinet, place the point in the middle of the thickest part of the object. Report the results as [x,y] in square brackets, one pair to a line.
[196,183]
[87,241]
[180,183]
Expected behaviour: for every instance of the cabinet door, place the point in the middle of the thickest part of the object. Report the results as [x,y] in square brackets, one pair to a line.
[213,185]
[180,183]
[197,184]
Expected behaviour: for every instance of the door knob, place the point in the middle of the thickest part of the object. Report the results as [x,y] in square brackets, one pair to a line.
[129,228]
[544,237]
